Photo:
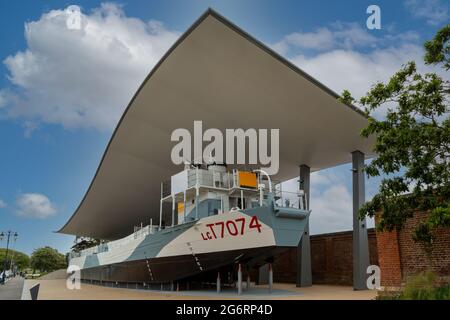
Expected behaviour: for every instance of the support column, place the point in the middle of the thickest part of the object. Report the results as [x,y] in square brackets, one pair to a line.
[160,207]
[360,242]
[239,281]
[263,274]
[270,278]
[173,210]
[304,275]
[184,207]
[218,282]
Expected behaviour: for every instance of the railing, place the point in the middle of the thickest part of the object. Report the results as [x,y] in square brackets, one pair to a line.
[291,199]
[209,178]
[166,188]
[205,178]
[229,180]
[139,232]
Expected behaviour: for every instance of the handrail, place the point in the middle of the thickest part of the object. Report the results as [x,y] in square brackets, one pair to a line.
[139,233]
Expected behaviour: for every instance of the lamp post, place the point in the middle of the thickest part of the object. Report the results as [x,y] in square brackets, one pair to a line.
[8,235]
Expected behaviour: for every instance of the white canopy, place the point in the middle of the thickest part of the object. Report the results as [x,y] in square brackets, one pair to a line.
[219,74]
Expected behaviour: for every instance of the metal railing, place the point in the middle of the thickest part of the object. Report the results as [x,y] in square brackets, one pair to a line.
[206,178]
[209,178]
[139,232]
[291,199]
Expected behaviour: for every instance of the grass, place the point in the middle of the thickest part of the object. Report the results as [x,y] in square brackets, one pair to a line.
[420,287]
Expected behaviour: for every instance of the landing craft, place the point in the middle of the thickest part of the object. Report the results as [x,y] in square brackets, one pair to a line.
[220,218]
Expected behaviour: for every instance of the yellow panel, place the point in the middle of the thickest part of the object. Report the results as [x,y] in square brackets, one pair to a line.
[247,179]
[180,207]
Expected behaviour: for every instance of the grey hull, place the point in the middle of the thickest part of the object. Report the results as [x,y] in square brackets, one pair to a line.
[185,250]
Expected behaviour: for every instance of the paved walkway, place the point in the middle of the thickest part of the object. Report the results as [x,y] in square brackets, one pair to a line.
[12,290]
[56,290]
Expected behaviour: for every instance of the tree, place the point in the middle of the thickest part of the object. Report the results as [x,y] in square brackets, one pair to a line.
[20,259]
[438,49]
[85,243]
[412,143]
[47,259]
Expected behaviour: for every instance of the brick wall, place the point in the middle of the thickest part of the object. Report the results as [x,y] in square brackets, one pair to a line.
[389,258]
[400,256]
[331,259]
[395,252]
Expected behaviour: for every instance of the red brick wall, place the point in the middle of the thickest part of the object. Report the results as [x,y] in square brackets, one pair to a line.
[395,252]
[331,259]
[389,258]
[400,256]
[284,267]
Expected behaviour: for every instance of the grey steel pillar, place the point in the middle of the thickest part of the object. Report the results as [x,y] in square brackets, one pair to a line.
[360,242]
[270,278]
[304,275]
[218,282]
[239,280]
[263,274]
[173,211]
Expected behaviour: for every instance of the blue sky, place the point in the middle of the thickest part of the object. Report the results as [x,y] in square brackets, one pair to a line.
[51,143]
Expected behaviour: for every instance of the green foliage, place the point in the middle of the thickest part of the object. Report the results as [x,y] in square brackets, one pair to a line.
[422,286]
[20,259]
[346,98]
[412,143]
[85,244]
[438,49]
[440,216]
[423,233]
[47,259]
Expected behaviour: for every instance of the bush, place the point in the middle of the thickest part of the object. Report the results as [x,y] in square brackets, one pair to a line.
[421,287]
[47,259]
[20,259]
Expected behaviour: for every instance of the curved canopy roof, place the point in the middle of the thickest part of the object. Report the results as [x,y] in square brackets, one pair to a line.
[219,74]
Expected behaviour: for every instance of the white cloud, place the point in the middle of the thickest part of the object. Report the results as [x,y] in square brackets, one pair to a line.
[435,12]
[350,50]
[361,70]
[86,77]
[331,209]
[2,204]
[2,98]
[345,36]
[330,200]
[358,72]
[341,35]
[35,205]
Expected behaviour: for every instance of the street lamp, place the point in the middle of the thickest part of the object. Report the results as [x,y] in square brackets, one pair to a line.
[8,235]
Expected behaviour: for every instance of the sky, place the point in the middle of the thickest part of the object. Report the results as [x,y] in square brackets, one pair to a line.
[62,92]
